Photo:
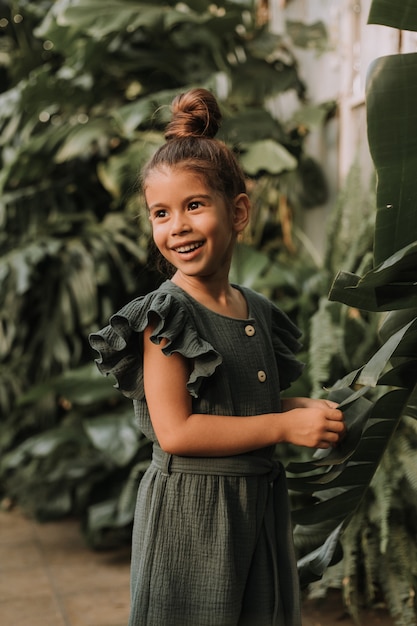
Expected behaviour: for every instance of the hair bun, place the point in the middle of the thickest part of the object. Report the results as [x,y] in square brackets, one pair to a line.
[195,113]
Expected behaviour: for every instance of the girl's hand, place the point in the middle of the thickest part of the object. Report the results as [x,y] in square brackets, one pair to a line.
[306,403]
[317,424]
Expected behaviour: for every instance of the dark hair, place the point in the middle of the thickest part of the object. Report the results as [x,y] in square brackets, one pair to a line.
[191,144]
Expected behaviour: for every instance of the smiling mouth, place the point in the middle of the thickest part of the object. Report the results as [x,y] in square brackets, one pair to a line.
[189,248]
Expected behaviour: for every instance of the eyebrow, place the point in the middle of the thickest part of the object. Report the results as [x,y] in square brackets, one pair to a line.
[194,196]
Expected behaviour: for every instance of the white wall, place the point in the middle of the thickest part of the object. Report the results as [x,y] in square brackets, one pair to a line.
[339,74]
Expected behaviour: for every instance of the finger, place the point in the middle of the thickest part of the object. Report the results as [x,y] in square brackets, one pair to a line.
[336,414]
[336,426]
[331,404]
[324,445]
[332,437]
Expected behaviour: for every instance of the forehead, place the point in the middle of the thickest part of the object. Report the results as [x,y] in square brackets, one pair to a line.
[173,172]
[174,180]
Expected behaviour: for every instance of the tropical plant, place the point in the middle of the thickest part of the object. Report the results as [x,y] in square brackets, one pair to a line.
[85,91]
[367,488]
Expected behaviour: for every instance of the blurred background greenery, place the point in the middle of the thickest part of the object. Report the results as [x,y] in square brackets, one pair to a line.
[85,88]
[85,95]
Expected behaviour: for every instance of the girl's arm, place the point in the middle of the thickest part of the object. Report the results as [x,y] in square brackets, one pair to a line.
[181,432]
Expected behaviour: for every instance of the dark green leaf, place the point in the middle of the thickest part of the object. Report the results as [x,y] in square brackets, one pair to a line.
[312,566]
[391,285]
[401,15]
[392,126]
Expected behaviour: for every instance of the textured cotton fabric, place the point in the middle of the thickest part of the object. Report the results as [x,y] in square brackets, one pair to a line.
[212,541]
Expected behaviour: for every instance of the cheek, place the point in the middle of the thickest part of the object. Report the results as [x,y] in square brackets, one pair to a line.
[217,226]
[222,229]
[157,235]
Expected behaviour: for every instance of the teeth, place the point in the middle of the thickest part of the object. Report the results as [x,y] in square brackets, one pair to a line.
[189,248]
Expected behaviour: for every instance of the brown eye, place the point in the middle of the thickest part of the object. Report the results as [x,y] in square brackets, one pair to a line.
[159,213]
[194,205]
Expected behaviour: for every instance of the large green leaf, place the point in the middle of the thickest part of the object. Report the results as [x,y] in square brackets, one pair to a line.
[339,479]
[401,14]
[391,285]
[249,125]
[267,156]
[115,436]
[255,269]
[85,139]
[391,95]
[403,342]
[81,387]
[43,445]
[101,17]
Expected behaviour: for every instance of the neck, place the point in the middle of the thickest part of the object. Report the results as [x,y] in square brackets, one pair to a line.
[217,295]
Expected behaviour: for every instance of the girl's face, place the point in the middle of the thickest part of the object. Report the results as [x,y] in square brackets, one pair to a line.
[192,225]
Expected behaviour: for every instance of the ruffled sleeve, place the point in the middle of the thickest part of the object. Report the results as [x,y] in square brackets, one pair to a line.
[120,345]
[286,344]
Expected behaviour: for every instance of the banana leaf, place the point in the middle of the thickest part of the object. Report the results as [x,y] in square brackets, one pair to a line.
[391,96]
[338,480]
[390,285]
[401,15]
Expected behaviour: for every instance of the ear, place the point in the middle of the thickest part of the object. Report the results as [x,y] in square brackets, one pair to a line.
[241,212]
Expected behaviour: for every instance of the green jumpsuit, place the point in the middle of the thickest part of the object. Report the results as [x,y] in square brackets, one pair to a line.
[212,538]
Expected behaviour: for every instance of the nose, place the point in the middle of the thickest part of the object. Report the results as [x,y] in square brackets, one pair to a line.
[179,223]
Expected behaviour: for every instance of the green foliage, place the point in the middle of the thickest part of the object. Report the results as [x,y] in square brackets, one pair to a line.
[379,548]
[85,88]
[375,489]
[342,338]
[91,461]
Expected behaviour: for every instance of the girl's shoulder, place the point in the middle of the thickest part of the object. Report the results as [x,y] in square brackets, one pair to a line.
[120,343]
[160,301]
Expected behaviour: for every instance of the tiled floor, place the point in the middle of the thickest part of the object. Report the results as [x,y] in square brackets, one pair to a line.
[49,577]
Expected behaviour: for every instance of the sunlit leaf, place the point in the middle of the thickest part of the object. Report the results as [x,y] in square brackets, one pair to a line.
[100,17]
[84,139]
[267,156]
[311,36]
[116,436]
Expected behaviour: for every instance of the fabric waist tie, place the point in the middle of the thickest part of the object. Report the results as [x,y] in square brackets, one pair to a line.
[240,465]
[277,517]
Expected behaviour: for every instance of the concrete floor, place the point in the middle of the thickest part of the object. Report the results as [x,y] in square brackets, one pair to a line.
[49,577]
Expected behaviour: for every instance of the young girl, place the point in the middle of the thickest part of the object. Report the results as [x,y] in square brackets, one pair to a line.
[204,362]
